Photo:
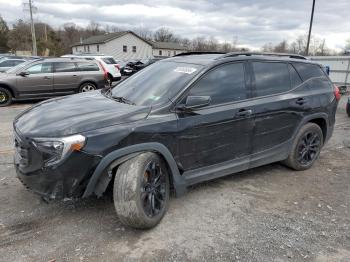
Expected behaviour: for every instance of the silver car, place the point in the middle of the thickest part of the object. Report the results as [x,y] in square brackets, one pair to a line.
[50,77]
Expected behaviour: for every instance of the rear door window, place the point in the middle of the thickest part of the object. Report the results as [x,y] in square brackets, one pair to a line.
[223,84]
[63,67]
[87,66]
[307,71]
[271,78]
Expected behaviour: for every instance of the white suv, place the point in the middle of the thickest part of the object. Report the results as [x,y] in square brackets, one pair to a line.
[107,62]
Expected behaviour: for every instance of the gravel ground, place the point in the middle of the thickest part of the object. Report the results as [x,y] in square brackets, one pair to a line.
[269,213]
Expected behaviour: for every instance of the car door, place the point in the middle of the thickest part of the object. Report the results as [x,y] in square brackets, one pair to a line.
[36,78]
[276,108]
[66,77]
[220,131]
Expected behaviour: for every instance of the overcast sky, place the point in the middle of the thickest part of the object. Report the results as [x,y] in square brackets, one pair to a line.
[252,22]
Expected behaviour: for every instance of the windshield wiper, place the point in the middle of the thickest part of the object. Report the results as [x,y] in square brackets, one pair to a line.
[122,100]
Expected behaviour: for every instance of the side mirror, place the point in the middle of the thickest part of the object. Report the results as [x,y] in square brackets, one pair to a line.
[23,73]
[193,102]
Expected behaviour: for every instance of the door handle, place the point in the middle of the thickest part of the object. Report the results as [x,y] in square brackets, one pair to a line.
[74,75]
[47,77]
[301,101]
[244,112]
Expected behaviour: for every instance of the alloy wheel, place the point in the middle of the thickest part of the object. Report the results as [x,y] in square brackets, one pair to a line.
[153,190]
[309,148]
[3,97]
[87,88]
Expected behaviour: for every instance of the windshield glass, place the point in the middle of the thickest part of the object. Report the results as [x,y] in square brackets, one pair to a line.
[156,83]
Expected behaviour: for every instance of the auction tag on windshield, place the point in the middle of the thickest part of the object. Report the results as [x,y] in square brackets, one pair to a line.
[185,70]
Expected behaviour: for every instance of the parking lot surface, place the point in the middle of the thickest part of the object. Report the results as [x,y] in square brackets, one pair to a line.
[270,213]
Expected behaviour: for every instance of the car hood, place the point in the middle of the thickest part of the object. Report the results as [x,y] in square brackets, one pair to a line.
[76,113]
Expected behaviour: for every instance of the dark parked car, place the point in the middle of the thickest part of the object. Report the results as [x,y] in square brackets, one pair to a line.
[348,107]
[44,78]
[178,122]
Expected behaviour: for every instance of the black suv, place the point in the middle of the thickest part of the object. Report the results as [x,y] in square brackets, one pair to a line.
[178,122]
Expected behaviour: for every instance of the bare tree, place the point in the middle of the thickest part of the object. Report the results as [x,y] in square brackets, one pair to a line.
[144,33]
[281,47]
[163,35]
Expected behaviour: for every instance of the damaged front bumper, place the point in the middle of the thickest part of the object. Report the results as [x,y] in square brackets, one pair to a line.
[62,181]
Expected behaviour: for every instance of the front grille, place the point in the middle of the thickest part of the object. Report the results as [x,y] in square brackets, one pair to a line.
[21,152]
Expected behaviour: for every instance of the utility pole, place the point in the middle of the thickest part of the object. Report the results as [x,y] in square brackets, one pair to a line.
[35,52]
[310,28]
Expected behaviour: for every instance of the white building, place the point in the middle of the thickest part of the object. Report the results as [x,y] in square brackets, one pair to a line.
[126,46]
[121,45]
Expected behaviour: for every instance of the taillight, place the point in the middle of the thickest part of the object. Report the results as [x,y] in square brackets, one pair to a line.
[105,72]
[337,93]
[117,66]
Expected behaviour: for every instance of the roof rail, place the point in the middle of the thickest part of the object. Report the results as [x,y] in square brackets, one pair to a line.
[233,54]
[198,53]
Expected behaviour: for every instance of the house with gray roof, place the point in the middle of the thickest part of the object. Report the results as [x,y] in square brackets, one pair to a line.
[166,49]
[125,46]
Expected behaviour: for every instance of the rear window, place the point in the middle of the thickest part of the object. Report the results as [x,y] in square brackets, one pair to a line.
[307,71]
[87,66]
[109,60]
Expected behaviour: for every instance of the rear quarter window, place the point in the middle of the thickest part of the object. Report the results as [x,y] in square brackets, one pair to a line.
[307,71]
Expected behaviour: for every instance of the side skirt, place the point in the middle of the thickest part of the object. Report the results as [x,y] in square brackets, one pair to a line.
[202,174]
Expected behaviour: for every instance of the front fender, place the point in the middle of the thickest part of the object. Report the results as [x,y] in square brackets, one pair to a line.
[126,153]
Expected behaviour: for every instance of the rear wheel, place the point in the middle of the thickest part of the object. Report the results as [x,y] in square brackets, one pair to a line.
[5,97]
[86,87]
[141,191]
[306,147]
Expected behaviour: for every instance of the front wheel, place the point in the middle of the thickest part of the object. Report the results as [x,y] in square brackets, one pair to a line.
[141,191]
[86,87]
[306,147]
[5,97]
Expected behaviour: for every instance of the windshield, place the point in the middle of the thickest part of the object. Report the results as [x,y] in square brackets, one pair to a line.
[156,83]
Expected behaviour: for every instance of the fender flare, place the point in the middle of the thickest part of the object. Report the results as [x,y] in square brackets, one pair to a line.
[307,119]
[123,155]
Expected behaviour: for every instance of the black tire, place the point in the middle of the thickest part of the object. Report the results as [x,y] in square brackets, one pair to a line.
[306,147]
[88,86]
[5,97]
[138,201]
[109,80]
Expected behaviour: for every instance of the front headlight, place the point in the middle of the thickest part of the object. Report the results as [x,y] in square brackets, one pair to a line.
[56,149]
